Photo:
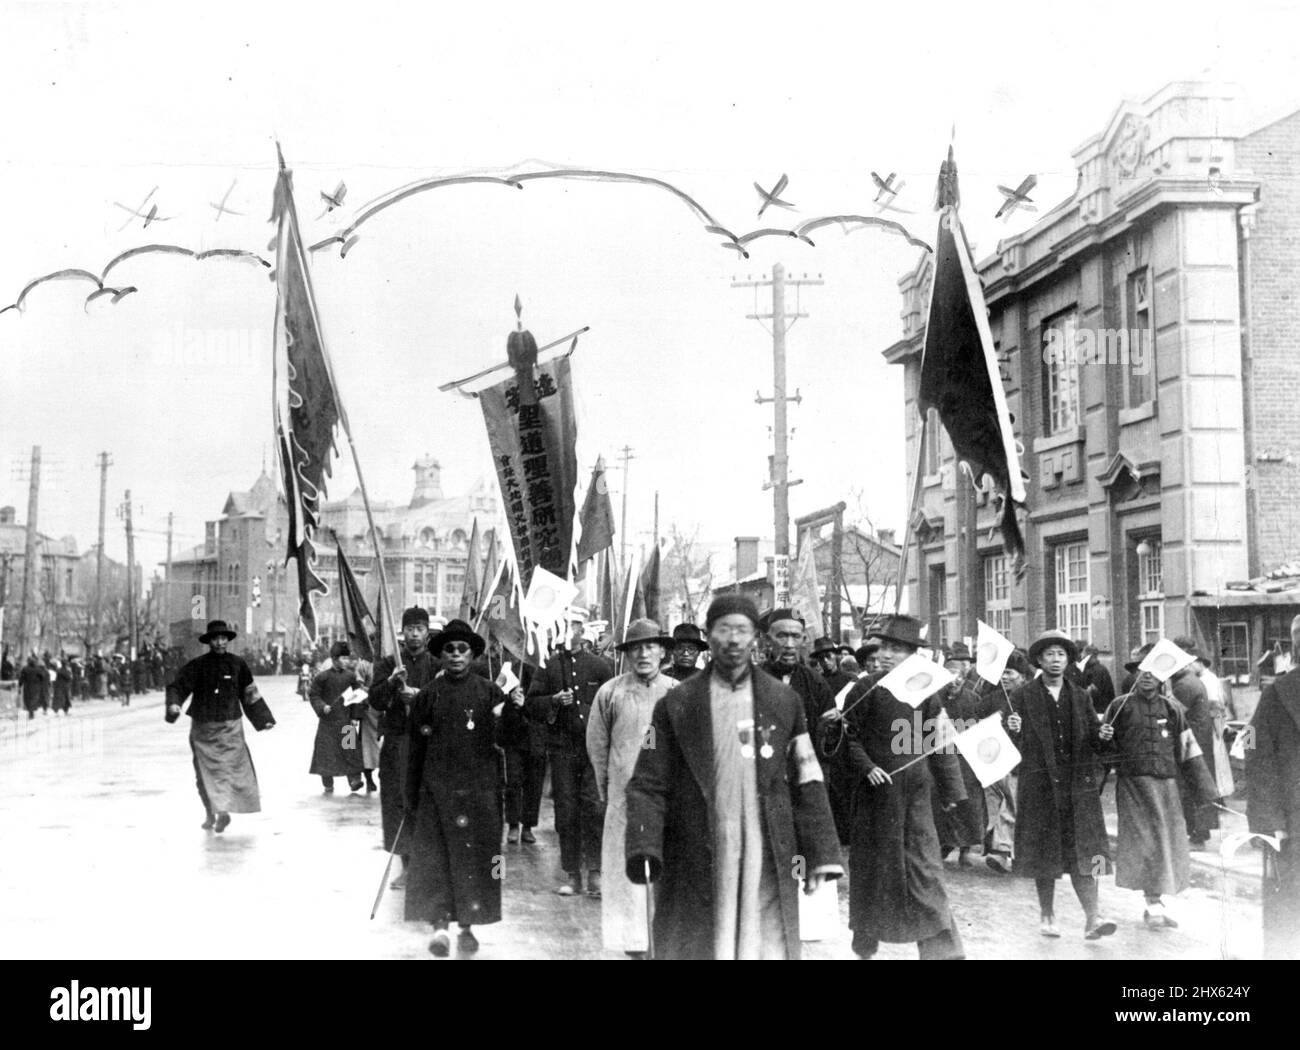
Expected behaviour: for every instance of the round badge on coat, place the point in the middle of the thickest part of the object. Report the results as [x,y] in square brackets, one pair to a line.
[462,821]
[426,730]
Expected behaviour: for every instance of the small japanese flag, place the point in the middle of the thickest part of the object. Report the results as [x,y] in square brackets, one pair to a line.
[1165,659]
[548,598]
[988,750]
[915,679]
[991,652]
[507,680]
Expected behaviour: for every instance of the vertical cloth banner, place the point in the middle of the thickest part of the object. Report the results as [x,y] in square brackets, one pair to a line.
[503,619]
[358,624]
[650,588]
[307,406]
[805,597]
[597,516]
[533,442]
[469,592]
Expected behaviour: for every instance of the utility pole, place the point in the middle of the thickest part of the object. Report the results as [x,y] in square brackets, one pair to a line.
[130,573]
[27,607]
[626,453]
[104,462]
[782,321]
[656,519]
[166,625]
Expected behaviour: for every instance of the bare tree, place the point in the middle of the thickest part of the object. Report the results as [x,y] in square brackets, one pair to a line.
[687,573]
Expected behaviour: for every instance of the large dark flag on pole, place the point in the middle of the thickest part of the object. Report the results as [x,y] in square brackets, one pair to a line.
[649,586]
[533,433]
[358,624]
[960,378]
[503,620]
[307,407]
[487,578]
[597,517]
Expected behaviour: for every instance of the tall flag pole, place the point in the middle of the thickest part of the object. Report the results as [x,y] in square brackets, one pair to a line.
[487,577]
[307,409]
[960,377]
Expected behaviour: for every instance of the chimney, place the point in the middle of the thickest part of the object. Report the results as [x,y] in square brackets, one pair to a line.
[428,481]
[746,556]
[886,536]
[6,515]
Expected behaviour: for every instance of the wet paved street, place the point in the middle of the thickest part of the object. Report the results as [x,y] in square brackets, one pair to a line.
[104,858]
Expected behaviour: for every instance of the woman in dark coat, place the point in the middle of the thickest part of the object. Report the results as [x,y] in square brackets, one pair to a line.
[337,749]
[1059,825]
[453,793]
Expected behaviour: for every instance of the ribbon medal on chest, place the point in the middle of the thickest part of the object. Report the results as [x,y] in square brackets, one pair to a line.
[469,718]
[745,727]
[766,750]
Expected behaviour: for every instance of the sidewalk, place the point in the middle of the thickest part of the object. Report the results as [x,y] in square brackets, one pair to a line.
[80,708]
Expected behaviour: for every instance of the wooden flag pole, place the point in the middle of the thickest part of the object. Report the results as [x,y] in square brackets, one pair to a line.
[907,527]
[379,555]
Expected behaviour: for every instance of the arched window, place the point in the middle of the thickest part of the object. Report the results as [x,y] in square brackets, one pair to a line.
[426,537]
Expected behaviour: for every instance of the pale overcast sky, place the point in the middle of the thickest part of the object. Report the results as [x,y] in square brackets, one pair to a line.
[105,102]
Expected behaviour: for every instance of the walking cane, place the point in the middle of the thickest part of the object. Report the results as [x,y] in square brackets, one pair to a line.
[383,884]
[649,914]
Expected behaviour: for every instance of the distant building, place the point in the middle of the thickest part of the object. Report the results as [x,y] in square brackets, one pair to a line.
[1163,445]
[60,611]
[238,574]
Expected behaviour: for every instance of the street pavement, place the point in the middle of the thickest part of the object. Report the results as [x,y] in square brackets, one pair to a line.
[105,859]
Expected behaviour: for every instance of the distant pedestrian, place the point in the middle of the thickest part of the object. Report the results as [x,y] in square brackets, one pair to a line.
[962,826]
[1060,829]
[1201,818]
[336,750]
[224,692]
[34,681]
[618,730]
[1000,796]
[62,704]
[453,797]
[370,728]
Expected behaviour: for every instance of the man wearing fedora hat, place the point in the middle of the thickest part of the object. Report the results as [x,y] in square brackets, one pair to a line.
[727,809]
[896,891]
[223,692]
[397,681]
[826,655]
[560,698]
[688,642]
[1059,825]
[616,732]
[453,793]
[336,750]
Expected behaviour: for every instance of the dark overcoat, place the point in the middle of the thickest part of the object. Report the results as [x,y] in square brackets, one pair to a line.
[1044,789]
[566,726]
[386,697]
[1273,804]
[668,814]
[896,889]
[337,748]
[35,682]
[964,824]
[453,787]
[1201,817]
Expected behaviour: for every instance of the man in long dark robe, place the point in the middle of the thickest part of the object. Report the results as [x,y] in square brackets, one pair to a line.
[896,891]
[560,698]
[1059,825]
[394,686]
[336,750]
[727,809]
[1200,817]
[962,826]
[223,691]
[453,795]
[1273,804]
[34,681]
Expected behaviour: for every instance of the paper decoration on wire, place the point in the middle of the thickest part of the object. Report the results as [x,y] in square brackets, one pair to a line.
[988,750]
[915,679]
[507,680]
[1165,660]
[992,651]
[545,608]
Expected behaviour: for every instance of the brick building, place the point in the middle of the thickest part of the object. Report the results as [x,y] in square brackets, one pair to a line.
[1163,451]
[239,570]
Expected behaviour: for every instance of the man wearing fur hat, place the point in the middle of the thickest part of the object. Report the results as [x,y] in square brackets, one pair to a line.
[223,691]
[896,891]
[616,732]
[727,811]
[560,698]
[337,748]
[1059,825]
[396,682]
[453,793]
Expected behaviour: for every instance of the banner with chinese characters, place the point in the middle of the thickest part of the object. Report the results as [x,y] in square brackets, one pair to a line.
[534,450]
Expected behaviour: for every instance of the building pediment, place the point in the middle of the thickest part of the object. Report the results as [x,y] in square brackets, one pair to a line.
[1126,480]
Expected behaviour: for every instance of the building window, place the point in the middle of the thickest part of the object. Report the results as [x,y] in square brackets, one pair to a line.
[1061,372]
[1073,604]
[938,605]
[67,585]
[1153,620]
[1141,341]
[997,593]
[1151,588]
[1234,652]
[931,442]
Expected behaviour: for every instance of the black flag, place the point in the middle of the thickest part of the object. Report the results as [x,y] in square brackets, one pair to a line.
[959,368]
